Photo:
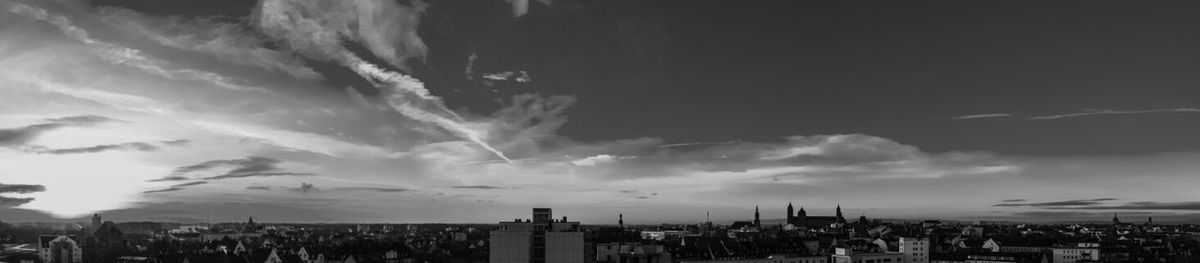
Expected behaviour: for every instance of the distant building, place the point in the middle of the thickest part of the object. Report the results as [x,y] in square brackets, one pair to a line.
[59,249]
[802,219]
[540,240]
[631,252]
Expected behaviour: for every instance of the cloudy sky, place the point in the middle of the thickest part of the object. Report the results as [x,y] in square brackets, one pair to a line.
[476,111]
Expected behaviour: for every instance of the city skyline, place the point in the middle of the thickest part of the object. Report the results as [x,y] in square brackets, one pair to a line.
[424,112]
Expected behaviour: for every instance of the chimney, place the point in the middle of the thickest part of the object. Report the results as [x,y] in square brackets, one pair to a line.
[564,219]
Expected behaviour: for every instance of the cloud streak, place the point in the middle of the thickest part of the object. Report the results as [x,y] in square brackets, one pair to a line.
[1085,113]
[23,135]
[1091,112]
[385,28]
[982,116]
[253,166]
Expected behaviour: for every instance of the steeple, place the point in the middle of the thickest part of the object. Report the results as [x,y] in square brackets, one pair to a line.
[1115,219]
[840,218]
[621,220]
[802,213]
[757,222]
[1150,220]
[790,212]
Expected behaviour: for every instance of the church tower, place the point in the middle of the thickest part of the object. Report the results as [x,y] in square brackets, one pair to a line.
[802,214]
[840,219]
[790,213]
[1115,220]
[95,224]
[621,220]
[757,222]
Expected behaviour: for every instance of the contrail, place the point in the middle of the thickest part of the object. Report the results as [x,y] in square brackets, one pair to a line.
[397,89]
[317,29]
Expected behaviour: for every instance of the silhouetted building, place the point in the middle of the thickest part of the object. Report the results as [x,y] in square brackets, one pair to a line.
[540,240]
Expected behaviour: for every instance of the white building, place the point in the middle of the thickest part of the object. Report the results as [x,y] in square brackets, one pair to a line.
[539,240]
[915,250]
[1086,252]
[846,255]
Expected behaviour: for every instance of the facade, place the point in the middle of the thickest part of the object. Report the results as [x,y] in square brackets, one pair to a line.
[59,249]
[915,250]
[846,255]
[617,252]
[771,259]
[540,240]
[1081,252]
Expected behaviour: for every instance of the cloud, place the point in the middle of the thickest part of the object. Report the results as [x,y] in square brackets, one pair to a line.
[1144,206]
[131,146]
[23,135]
[389,31]
[1013,200]
[176,187]
[304,188]
[371,189]
[259,188]
[982,116]
[521,7]
[1090,112]
[14,201]
[224,41]
[126,56]
[1057,204]
[253,166]
[21,188]
[593,160]
[481,187]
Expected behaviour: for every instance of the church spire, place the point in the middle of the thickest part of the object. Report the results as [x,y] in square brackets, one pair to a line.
[621,220]
[790,212]
[840,218]
[757,222]
[1115,219]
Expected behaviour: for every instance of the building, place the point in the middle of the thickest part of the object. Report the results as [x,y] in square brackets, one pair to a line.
[770,259]
[540,240]
[1081,252]
[847,255]
[59,249]
[616,252]
[802,219]
[915,250]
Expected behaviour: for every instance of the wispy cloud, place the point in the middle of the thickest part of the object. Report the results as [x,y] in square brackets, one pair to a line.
[253,166]
[259,188]
[130,146]
[23,135]
[1193,205]
[482,187]
[1067,203]
[176,187]
[982,116]
[14,201]
[1091,112]
[124,55]
[21,188]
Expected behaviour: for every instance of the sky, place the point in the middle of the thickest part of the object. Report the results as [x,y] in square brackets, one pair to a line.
[663,111]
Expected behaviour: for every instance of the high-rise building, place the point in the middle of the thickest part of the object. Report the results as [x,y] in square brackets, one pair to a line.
[540,240]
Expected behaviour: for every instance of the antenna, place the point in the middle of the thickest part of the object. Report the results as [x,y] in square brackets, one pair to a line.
[707,216]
